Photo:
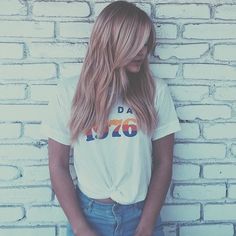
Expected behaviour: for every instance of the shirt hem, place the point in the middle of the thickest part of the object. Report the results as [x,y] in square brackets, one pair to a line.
[95,196]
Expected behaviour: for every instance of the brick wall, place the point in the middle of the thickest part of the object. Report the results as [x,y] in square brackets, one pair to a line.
[42,42]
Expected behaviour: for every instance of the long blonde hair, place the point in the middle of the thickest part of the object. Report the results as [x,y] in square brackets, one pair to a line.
[119,33]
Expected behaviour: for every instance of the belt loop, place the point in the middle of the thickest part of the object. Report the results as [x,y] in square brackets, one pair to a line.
[91,202]
[90,205]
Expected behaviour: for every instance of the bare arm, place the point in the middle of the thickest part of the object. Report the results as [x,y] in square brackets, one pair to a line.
[159,184]
[63,186]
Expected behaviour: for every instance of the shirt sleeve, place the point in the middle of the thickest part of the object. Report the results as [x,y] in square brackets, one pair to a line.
[167,120]
[55,123]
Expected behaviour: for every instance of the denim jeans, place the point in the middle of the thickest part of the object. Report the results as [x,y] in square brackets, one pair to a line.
[113,219]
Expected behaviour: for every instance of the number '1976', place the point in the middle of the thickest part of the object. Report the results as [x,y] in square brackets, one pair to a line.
[128,127]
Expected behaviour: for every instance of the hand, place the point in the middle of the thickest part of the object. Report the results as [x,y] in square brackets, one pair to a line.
[86,231]
[140,233]
[143,231]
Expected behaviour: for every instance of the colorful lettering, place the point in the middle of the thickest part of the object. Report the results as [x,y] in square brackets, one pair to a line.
[129,111]
[118,124]
[120,109]
[104,135]
[129,128]
[89,135]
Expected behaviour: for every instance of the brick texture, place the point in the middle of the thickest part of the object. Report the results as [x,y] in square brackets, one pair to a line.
[44,42]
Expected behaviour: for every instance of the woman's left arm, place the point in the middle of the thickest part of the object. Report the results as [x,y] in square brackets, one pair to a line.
[159,184]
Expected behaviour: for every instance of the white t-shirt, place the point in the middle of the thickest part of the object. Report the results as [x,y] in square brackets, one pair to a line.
[118,165]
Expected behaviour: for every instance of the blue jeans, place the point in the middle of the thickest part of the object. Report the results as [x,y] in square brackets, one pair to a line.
[113,219]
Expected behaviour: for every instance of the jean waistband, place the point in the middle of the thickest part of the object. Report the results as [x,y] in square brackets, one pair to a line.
[85,200]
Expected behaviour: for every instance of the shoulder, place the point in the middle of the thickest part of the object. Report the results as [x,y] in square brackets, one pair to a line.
[68,84]
[161,86]
[66,87]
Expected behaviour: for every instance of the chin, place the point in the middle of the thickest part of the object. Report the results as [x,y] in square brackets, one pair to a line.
[133,70]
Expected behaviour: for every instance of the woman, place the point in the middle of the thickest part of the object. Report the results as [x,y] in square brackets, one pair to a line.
[120,122]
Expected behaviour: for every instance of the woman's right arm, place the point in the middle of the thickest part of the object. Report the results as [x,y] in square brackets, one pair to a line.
[63,187]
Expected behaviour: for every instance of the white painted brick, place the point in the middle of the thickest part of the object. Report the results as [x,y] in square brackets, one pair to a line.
[200,150]
[72,172]
[68,70]
[28,157]
[204,112]
[35,231]
[189,93]
[62,231]
[22,152]
[46,214]
[8,131]
[223,212]
[225,93]
[200,192]
[57,50]
[164,71]
[11,214]
[169,199]
[220,131]
[145,7]
[207,230]
[8,173]
[12,7]
[232,190]
[56,202]
[170,230]
[28,71]
[36,173]
[11,50]
[25,195]
[166,31]
[33,131]
[210,31]
[219,171]
[61,9]
[42,92]
[75,29]
[8,91]
[28,29]
[188,131]
[180,212]
[233,149]
[185,171]
[180,51]
[225,52]
[99,7]
[22,112]
[201,11]
[226,12]
[209,71]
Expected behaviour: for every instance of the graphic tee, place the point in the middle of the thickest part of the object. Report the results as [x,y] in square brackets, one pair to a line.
[117,165]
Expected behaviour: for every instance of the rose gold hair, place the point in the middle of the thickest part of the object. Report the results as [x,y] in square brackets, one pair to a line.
[119,33]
